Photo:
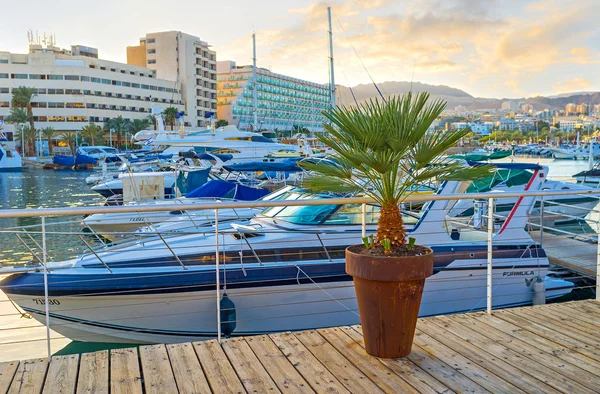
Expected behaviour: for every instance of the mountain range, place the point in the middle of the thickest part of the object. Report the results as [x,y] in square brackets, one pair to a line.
[455,97]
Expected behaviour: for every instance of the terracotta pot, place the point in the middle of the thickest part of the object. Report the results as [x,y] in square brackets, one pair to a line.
[388,291]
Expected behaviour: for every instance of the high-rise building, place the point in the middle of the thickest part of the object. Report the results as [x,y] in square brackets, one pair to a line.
[582,109]
[74,87]
[570,109]
[510,105]
[283,102]
[527,108]
[184,58]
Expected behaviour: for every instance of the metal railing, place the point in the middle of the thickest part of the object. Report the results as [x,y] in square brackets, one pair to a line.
[491,216]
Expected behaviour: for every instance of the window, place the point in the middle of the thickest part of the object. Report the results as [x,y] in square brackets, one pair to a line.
[37,76]
[56,105]
[87,92]
[151,51]
[123,72]
[56,91]
[151,61]
[3,75]
[56,77]
[102,68]
[85,79]
[151,41]
[38,105]
[72,77]
[90,105]
[132,72]
[145,87]
[4,90]
[18,76]
[75,105]
[97,80]
[116,83]
[72,91]
[106,81]
[40,91]
[3,61]
[92,66]
[113,69]
[125,84]
[135,85]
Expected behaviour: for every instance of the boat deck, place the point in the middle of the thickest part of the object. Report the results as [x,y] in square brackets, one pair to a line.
[545,349]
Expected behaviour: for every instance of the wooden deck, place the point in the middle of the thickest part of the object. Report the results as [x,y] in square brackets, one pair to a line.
[576,255]
[547,349]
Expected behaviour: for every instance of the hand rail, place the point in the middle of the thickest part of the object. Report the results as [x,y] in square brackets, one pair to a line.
[12,213]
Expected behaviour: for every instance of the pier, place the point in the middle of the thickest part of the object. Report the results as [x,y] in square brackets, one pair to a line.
[545,349]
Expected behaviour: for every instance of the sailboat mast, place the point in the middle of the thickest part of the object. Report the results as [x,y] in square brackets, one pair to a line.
[254,104]
[331,74]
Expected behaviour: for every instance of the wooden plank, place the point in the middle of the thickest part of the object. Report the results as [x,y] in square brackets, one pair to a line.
[156,367]
[472,370]
[577,313]
[403,367]
[527,365]
[565,328]
[29,377]
[93,373]
[62,374]
[369,365]
[549,334]
[559,250]
[7,372]
[321,380]
[277,365]
[350,376]
[125,376]
[496,365]
[542,343]
[251,372]
[186,369]
[584,309]
[580,328]
[219,372]
[550,359]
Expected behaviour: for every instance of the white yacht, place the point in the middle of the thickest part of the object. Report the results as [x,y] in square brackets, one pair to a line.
[10,159]
[282,271]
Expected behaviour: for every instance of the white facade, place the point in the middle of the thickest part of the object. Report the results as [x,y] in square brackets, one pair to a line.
[75,90]
[476,127]
[181,57]
[510,105]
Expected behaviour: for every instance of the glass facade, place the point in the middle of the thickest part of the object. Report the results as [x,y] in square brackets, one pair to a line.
[282,102]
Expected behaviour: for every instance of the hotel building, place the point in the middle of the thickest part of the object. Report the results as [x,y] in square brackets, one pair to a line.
[282,102]
[184,58]
[74,87]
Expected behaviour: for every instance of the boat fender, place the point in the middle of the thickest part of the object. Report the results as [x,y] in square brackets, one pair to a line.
[228,319]
[539,291]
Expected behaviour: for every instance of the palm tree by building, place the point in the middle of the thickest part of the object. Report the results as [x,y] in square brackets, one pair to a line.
[18,116]
[169,114]
[69,139]
[120,125]
[221,123]
[30,134]
[151,121]
[49,133]
[21,98]
[139,125]
[92,132]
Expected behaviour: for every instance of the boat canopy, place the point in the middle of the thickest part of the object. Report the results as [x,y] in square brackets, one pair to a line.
[224,189]
[190,180]
[481,157]
[514,166]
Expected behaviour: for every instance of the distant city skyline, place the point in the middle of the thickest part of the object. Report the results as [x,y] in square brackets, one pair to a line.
[500,49]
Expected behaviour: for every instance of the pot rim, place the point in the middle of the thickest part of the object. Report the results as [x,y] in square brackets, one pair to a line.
[383,257]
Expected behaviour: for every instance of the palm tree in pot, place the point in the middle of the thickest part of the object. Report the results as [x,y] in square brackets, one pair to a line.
[384,151]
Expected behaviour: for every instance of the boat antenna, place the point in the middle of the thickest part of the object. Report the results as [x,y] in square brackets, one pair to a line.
[331,73]
[361,62]
[254,104]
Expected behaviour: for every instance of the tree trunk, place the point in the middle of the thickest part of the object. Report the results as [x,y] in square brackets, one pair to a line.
[391,225]
[119,139]
[50,146]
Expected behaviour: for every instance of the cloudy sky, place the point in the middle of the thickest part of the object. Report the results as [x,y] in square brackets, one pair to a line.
[489,48]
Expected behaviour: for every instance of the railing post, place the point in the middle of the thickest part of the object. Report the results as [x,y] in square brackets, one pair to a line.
[46,303]
[364,220]
[490,254]
[218,277]
[598,264]
[541,221]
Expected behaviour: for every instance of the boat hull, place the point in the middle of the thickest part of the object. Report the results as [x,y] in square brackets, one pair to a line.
[175,315]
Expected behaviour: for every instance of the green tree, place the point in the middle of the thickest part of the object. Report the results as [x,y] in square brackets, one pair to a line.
[140,124]
[221,123]
[152,121]
[18,116]
[169,116]
[30,134]
[93,132]
[69,139]
[384,151]
[21,98]
[120,125]
[49,133]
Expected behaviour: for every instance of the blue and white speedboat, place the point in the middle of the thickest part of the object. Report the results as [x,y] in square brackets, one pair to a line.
[283,270]
[10,159]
